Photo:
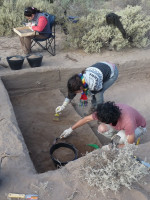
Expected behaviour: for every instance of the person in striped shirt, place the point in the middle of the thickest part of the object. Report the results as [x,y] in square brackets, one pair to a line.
[95,80]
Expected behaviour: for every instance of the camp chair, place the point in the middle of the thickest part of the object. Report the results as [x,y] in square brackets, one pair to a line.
[50,40]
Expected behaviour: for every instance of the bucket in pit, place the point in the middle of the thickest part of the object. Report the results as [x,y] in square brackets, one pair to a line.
[62,153]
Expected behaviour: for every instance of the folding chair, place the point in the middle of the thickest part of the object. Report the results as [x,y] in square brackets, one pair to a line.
[50,40]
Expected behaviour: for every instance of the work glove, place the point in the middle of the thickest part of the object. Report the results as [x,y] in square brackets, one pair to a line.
[66,133]
[60,108]
[115,139]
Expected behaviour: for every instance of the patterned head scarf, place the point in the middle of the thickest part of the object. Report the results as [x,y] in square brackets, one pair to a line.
[83,98]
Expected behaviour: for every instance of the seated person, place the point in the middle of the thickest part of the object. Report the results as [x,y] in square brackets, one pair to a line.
[119,119]
[38,21]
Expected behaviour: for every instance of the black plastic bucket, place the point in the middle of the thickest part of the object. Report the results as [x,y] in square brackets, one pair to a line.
[15,64]
[59,145]
[35,60]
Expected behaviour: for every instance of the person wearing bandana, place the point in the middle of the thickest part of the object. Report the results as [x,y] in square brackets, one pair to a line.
[95,80]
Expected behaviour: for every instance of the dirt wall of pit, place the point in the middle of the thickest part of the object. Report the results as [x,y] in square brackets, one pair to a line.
[52,78]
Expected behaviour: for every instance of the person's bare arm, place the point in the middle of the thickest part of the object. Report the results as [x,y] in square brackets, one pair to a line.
[82,122]
[130,140]
[120,145]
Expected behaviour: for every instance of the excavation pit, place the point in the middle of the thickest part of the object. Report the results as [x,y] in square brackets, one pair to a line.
[35,112]
[36,93]
[34,97]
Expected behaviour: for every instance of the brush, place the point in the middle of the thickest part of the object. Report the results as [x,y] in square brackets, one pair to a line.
[56,117]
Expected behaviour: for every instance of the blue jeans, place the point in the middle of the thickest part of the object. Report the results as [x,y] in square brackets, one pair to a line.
[99,97]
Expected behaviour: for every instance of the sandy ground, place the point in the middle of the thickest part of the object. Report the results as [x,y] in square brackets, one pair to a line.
[18,174]
[65,58]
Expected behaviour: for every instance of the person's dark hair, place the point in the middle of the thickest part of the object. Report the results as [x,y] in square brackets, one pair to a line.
[83,71]
[74,83]
[108,113]
[30,10]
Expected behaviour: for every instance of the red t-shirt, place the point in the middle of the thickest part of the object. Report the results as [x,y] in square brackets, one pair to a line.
[42,22]
[129,120]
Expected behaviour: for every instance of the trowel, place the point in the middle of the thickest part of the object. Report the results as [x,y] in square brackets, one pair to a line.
[56,117]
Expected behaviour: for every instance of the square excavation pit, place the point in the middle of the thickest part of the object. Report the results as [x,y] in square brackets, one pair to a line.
[34,110]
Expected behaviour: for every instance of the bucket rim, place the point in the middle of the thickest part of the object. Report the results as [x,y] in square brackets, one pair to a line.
[17,56]
[38,54]
[66,145]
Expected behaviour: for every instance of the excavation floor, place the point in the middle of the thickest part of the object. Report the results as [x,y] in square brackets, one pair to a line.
[35,112]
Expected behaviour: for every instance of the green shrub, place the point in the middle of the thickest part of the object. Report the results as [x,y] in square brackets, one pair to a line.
[136,24]
[113,169]
[12,13]
[92,33]
[124,3]
[85,33]
[78,7]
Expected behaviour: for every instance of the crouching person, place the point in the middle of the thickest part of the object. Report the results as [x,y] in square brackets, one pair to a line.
[115,119]
[121,120]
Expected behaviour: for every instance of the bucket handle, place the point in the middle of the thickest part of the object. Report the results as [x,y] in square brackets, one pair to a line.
[55,141]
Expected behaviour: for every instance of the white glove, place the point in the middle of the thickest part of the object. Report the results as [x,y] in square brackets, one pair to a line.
[60,108]
[66,133]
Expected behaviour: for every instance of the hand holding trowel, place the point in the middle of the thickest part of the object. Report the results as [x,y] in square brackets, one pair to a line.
[59,109]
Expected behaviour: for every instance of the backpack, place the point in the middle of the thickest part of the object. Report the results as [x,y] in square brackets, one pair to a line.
[114,19]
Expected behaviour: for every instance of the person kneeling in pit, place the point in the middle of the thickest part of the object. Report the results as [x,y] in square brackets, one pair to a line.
[115,119]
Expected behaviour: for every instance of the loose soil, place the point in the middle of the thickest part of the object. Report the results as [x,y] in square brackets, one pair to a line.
[33,56]
[63,154]
[15,58]
[26,31]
